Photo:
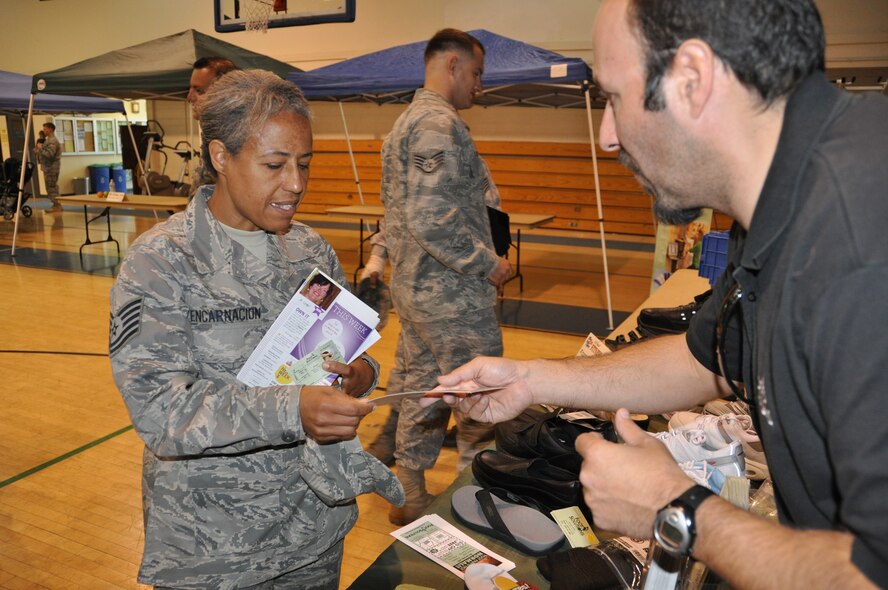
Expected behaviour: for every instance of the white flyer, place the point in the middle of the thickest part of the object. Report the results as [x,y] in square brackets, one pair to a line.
[446,545]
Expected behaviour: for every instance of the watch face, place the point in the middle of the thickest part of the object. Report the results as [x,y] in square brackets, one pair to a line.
[671,530]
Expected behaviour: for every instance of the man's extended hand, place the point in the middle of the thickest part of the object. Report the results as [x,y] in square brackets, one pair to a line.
[329,415]
[626,484]
[485,371]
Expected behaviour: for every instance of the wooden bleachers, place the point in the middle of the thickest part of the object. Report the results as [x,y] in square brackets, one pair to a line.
[533,177]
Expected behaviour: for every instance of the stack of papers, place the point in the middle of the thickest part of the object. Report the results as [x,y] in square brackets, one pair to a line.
[340,327]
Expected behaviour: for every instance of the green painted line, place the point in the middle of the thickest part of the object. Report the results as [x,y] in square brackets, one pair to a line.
[67,455]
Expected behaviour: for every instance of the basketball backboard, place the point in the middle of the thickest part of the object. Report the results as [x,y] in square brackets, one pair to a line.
[233,15]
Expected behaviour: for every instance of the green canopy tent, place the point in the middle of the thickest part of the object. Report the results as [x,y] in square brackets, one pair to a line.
[155,70]
[158,69]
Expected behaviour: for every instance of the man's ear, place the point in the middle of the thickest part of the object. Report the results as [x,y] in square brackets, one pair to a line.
[452,61]
[219,155]
[692,73]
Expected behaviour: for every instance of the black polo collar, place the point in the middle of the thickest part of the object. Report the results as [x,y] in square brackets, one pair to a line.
[809,112]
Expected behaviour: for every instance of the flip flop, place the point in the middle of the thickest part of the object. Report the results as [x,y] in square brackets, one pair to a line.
[501,515]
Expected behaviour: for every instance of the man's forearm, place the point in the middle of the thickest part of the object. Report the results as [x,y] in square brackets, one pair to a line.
[751,552]
[652,376]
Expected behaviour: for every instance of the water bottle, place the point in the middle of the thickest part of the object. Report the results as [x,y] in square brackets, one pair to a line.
[111,186]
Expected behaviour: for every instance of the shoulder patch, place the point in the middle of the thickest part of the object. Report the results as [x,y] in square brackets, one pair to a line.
[430,164]
[125,324]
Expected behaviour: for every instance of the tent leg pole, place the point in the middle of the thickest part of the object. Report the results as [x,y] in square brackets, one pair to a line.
[129,128]
[610,308]
[21,183]
[351,156]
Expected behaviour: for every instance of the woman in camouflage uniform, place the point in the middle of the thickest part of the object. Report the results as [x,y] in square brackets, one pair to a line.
[242,486]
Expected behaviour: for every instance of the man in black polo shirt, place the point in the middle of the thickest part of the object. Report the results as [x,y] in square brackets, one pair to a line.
[726,105]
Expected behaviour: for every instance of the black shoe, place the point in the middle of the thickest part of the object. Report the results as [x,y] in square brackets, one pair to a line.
[553,483]
[546,435]
[625,340]
[670,320]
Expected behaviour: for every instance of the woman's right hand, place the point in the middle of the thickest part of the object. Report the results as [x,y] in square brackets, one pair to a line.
[329,415]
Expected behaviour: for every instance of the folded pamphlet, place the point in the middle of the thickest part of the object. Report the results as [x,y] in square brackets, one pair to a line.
[315,326]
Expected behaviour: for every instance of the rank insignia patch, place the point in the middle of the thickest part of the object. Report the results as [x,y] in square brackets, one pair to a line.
[429,164]
[125,324]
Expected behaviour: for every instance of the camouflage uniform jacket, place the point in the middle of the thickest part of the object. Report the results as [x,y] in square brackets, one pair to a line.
[50,155]
[233,491]
[437,228]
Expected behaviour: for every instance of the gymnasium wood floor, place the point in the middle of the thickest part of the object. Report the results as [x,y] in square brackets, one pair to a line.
[70,509]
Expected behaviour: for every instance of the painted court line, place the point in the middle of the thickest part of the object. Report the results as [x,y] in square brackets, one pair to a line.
[67,455]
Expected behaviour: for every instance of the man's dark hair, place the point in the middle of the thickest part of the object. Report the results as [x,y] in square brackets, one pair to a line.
[50,125]
[220,65]
[451,40]
[770,45]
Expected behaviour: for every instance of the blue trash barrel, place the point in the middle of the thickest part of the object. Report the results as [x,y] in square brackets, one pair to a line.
[99,177]
[119,176]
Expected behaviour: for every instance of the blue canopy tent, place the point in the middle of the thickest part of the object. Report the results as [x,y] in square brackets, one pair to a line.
[15,95]
[16,98]
[515,74]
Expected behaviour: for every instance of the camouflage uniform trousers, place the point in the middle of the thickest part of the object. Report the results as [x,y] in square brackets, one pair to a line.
[51,178]
[322,574]
[431,349]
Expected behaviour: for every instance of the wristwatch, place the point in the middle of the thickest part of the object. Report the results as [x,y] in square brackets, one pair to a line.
[674,527]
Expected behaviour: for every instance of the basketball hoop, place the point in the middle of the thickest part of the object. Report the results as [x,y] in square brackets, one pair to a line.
[256,14]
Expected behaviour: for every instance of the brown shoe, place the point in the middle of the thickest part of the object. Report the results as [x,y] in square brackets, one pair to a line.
[417,498]
[411,510]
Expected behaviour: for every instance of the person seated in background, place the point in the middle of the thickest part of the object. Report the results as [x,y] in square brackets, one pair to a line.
[241,485]
[726,105]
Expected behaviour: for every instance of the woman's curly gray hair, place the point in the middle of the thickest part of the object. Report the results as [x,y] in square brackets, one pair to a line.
[239,103]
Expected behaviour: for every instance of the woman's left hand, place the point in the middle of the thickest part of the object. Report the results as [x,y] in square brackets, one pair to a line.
[354,379]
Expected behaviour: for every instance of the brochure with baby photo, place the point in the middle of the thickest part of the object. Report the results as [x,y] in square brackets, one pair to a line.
[321,322]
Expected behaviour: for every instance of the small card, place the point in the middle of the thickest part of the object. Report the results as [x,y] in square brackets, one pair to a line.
[116,197]
[436,393]
[575,527]
[309,369]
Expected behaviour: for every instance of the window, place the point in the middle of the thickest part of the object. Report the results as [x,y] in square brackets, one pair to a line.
[87,135]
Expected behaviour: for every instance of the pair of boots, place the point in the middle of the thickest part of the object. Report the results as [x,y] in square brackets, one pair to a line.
[413,480]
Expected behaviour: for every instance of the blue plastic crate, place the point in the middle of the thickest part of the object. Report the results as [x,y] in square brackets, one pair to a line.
[714,255]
